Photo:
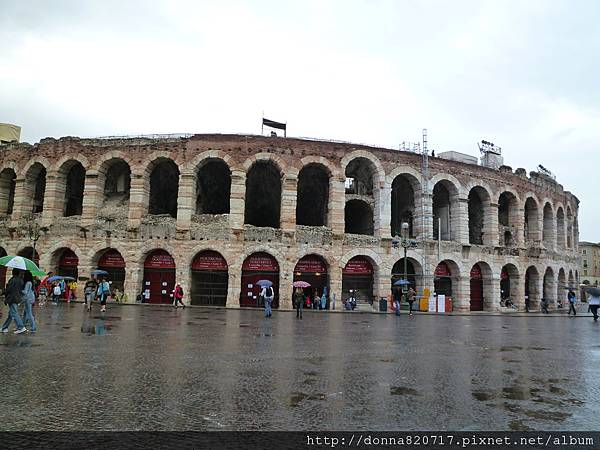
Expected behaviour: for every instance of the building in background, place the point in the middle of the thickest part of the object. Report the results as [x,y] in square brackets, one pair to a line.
[9,133]
[590,263]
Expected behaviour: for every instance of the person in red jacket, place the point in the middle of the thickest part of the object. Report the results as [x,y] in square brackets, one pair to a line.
[178,296]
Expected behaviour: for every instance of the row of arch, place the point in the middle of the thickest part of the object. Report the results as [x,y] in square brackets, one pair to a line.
[518,220]
[209,282]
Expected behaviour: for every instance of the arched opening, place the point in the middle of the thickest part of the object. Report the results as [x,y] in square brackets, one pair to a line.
[2,270]
[112,262]
[359,177]
[35,185]
[507,219]
[210,279]
[549,287]
[313,196]
[548,230]
[357,276]
[413,272]
[75,183]
[8,182]
[562,288]
[67,263]
[532,219]
[358,218]
[403,204]
[117,186]
[313,270]
[509,277]
[263,195]
[164,188]
[569,228]
[159,277]
[532,289]
[442,281]
[476,303]
[257,267]
[213,188]
[445,198]
[476,215]
[30,253]
[560,228]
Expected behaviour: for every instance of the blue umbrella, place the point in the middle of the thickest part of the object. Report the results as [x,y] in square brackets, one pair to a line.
[59,277]
[402,283]
[99,272]
[264,283]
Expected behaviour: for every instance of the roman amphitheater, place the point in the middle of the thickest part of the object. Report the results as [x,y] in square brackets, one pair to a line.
[218,213]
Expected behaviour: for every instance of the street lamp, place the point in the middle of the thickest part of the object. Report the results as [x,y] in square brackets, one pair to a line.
[405,242]
[34,232]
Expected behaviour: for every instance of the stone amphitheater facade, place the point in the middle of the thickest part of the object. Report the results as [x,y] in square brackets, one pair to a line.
[230,207]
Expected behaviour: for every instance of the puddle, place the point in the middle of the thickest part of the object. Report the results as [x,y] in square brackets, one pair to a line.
[538,348]
[387,360]
[508,372]
[516,393]
[483,396]
[20,344]
[510,348]
[518,425]
[311,374]
[401,390]
[244,325]
[298,397]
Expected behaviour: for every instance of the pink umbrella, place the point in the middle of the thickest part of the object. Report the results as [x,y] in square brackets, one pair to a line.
[301,284]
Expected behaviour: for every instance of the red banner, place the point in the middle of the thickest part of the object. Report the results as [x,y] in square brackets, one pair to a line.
[311,263]
[442,270]
[69,258]
[160,259]
[359,265]
[209,260]
[111,258]
[260,262]
[476,272]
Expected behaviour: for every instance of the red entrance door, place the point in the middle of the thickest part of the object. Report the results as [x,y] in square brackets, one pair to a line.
[258,266]
[476,289]
[159,277]
[113,263]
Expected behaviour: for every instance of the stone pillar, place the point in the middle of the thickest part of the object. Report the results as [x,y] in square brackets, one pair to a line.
[234,286]
[138,199]
[289,194]
[461,293]
[5,185]
[517,290]
[93,195]
[519,225]
[460,224]
[237,203]
[382,285]
[335,285]
[337,202]
[383,212]
[491,293]
[490,225]
[54,197]
[23,199]
[186,201]
[134,277]
[183,277]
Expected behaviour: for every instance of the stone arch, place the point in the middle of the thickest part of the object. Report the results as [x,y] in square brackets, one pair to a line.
[162,183]
[114,182]
[71,172]
[264,192]
[313,195]
[508,218]
[276,160]
[482,297]
[479,215]
[8,185]
[444,282]
[212,187]
[560,228]
[445,207]
[532,216]
[570,222]
[509,282]
[405,197]
[532,286]
[95,253]
[549,286]
[209,277]
[54,257]
[66,162]
[332,170]
[548,231]
[378,172]
[34,176]
[281,260]
[562,287]
[414,272]
[104,161]
[374,257]
[191,255]
[201,159]
[44,162]
[450,180]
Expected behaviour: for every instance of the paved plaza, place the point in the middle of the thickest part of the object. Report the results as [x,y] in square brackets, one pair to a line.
[156,368]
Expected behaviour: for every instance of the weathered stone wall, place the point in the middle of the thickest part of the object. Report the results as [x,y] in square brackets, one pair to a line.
[127,227]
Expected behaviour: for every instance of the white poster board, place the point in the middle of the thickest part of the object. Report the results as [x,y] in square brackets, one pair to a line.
[432,303]
[441,303]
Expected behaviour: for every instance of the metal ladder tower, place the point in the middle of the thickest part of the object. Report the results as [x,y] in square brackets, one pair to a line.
[425,213]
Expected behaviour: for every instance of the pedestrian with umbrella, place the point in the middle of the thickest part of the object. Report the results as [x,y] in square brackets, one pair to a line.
[103,293]
[298,297]
[89,291]
[29,299]
[594,301]
[267,294]
[13,295]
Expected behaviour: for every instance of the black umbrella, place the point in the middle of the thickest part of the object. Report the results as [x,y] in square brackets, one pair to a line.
[593,291]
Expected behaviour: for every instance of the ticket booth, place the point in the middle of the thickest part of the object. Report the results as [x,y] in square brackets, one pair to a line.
[209,279]
[112,262]
[159,276]
[357,275]
[256,267]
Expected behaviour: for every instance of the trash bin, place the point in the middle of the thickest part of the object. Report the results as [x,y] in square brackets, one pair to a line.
[383,304]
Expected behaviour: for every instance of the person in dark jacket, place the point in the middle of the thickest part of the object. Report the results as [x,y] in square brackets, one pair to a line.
[299,302]
[572,300]
[13,295]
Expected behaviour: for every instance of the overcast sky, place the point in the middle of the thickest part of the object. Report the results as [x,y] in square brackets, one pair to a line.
[522,74]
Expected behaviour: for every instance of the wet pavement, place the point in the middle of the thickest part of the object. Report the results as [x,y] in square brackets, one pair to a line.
[156,368]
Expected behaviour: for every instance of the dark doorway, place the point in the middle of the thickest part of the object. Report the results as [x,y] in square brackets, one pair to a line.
[263,195]
[313,195]
[159,277]
[358,218]
[213,188]
[74,190]
[257,267]
[403,205]
[209,279]
[164,188]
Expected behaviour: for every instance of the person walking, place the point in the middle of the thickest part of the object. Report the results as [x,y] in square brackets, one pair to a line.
[410,297]
[89,291]
[594,302]
[29,300]
[268,296]
[102,293]
[55,293]
[299,302]
[178,296]
[13,295]
[397,300]
[572,298]
[544,304]
[527,303]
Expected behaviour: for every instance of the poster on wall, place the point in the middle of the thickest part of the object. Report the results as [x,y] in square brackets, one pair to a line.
[441,303]
[432,303]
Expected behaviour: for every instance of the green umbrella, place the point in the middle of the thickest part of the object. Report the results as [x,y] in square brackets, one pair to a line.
[19,262]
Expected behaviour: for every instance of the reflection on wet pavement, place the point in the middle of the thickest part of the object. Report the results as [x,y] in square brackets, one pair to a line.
[156,368]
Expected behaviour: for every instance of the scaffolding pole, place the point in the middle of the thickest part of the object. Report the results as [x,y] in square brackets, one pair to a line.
[424,213]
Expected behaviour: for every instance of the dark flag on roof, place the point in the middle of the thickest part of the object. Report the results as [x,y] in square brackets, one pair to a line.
[273,124]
